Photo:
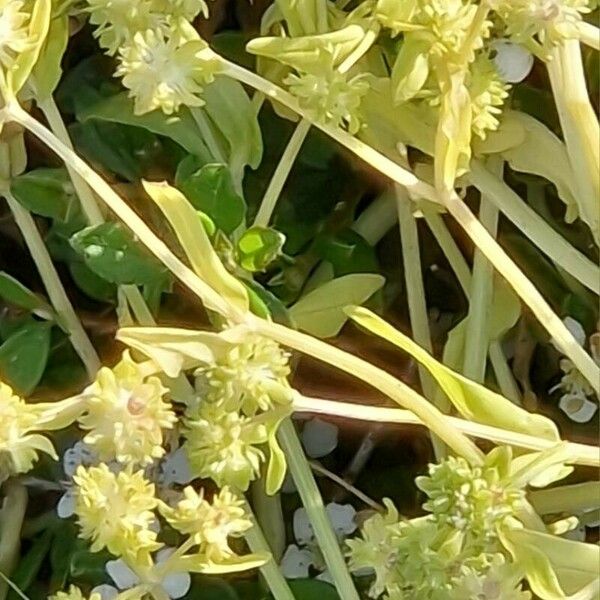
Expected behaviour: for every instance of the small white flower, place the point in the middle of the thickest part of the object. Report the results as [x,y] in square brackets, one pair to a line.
[513,61]
[175,585]
[296,562]
[578,408]
[576,329]
[78,455]
[319,438]
[175,469]
[298,558]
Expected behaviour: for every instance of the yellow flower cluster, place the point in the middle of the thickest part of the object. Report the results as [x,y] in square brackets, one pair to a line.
[14,33]
[125,414]
[162,60]
[18,444]
[210,524]
[244,396]
[74,593]
[115,511]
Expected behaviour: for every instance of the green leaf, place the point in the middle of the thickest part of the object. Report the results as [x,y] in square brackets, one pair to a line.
[93,285]
[124,150]
[411,69]
[47,70]
[321,312]
[23,357]
[258,247]
[472,400]
[181,128]
[552,164]
[210,190]
[231,110]
[30,564]
[195,242]
[110,251]
[265,304]
[313,589]
[14,292]
[45,192]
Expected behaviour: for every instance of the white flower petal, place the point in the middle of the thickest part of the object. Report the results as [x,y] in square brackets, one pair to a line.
[326,577]
[319,438]
[576,329]
[513,61]
[295,562]
[79,454]
[66,505]
[177,585]
[578,409]
[342,518]
[176,468]
[107,592]
[303,531]
[121,574]
[163,554]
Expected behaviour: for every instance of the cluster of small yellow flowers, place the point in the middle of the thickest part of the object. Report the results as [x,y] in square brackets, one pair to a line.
[18,444]
[454,552]
[115,511]
[244,396]
[223,446]
[125,414]
[250,377]
[209,524]
[74,593]
[117,21]
[14,33]
[162,60]
[487,92]
[331,97]
[541,24]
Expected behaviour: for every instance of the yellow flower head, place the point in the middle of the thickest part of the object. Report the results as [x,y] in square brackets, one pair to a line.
[210,523]
[250,377]
[19,447]
[14,33]
[164,73]
[222,445]
[73,593]
[115,512]
[126,414]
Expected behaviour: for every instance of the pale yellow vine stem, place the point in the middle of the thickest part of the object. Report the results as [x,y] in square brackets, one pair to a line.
[54,287]
[89,204]
[457,208]
[11,521]
[581,454]
[125,213]
[383,381]
[580,128]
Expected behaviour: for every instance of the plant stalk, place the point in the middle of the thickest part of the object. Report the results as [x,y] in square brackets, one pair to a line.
[11,521]
[580,454]
[257,542]
[480,295]
[54,287]
[315,509]
[457,208]
[269,201]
